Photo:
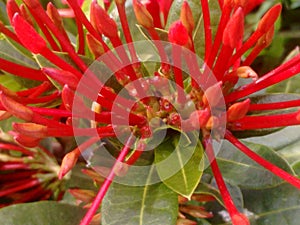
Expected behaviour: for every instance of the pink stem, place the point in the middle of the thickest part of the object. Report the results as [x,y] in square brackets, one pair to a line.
[5,146]
[105,186]
[266,164]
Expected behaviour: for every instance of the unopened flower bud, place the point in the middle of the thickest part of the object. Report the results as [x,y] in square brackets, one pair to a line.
[143,16]
[213,95]
[178,34]
[95,46]
[54,16]
[234,30]
[238,110]
[68,162]
[267,38]
[63,77]
[11,9]
[246,72]
[28,36]
[212,122]
[86,196]
[269,18]
[67,97]
[199,118]
[4,115]
[26,141]
[105,24]
[15,108]
[31,130]
[186,17]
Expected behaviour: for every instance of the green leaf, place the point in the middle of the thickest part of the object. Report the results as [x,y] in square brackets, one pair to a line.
[180,163]
[139,205]
[239,169]
[278,205]
[41,213]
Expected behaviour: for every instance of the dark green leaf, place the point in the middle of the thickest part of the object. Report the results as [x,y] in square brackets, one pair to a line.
[238,169]
[274,206]
[41,213]
[180,163]
[139,205]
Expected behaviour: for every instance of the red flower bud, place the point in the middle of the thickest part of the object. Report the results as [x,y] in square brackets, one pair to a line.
[86,196]
[186,17]
[246,72]
[143,16]
[269,18]
[95,46]
[67,97]
[213,95]
[16,108]
[238,110]
[12,8]
[199,118]
[105,24]
[62,77]
[212,122]
[68,162]
[31,130]
[28,36]
[178,34]
[266,39]
[234,30]
[26,141]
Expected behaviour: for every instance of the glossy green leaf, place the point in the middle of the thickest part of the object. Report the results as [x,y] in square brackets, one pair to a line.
[238,169]
[139,205]
[274,206]
[41,213]
[180,163]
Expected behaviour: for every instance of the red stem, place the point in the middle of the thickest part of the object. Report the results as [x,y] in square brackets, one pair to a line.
[252,56]
[6,146]
[262,122]
[222,61]
[9,34]
[81,39]
[275,105]
[176,55]
[21,187]
[266,164]
[126,31]
[22,71]
[219,179]
[207,28]
[219,35]
[105,186]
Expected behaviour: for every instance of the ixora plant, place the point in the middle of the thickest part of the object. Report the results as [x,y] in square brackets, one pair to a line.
[153,98]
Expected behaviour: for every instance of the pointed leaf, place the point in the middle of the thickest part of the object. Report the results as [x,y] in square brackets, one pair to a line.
[180,163]
[234,165]
[139,205]
[278,205]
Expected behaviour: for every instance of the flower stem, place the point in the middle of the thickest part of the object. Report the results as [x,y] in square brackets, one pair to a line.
[219,179]
[104,188]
